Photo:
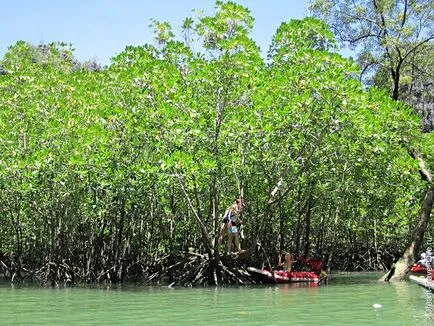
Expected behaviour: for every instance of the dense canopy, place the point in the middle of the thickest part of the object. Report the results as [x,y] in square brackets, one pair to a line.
[118,172]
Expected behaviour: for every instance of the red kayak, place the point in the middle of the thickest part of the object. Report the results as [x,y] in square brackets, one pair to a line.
[312,274]
[267,276]
[416,268]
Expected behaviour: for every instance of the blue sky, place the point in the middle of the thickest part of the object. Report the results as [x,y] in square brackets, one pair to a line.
[99,29]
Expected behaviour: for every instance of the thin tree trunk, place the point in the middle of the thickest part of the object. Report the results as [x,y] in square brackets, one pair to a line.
[281,229]
[332,249]
[205,238]
[299,221]
[308,221]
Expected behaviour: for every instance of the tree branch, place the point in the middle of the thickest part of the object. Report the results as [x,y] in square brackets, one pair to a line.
[422,167]
[417,46]
[404,17]
[206,240]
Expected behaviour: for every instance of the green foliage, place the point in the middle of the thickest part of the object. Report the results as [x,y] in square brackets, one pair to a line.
[113,167]
[292,36]
[393,40]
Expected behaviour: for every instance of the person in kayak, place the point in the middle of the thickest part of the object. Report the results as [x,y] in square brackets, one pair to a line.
[286,265]
[422,261]
[231,224]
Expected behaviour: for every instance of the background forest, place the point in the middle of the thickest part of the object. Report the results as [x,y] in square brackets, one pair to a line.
[114,173]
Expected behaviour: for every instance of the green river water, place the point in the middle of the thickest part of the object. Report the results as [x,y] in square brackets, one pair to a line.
[347,299]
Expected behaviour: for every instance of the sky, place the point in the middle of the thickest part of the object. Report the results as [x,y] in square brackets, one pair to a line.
[100,29]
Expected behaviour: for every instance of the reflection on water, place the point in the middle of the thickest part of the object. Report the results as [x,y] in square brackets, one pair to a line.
[348,299]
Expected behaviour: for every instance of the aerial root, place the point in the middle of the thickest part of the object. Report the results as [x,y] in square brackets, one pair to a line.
[196,269]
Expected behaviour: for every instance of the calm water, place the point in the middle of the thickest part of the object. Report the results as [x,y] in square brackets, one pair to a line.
[347,300]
